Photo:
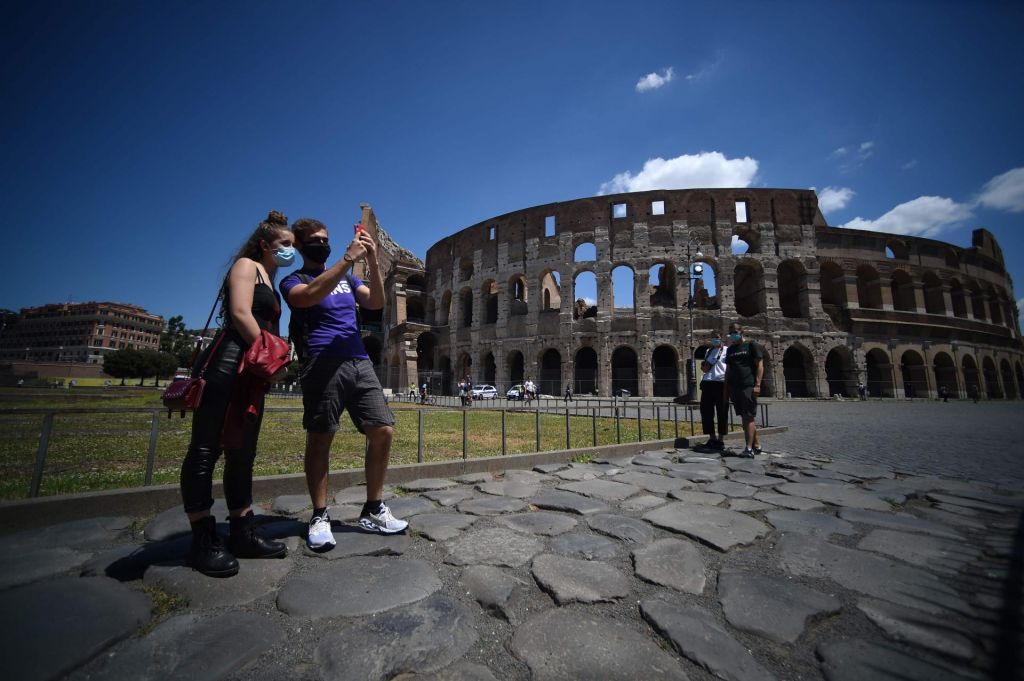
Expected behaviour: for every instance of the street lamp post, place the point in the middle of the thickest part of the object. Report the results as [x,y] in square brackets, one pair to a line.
[692,273]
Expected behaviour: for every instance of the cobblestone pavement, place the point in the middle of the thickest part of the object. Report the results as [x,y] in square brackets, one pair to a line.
[840,555]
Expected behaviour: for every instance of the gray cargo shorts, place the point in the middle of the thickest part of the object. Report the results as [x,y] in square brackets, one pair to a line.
[333,384]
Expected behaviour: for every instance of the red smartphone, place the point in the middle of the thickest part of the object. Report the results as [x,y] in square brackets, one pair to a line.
[359,228]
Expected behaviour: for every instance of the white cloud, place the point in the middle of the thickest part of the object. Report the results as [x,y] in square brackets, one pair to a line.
[653,81]
[865,147]
[912,163]
[708,169]
[926,216]
[834,198]
[1004,192]
[841,151]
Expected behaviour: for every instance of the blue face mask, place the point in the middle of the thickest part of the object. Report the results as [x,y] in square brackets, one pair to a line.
[284,256]
[715,342]
[735,337]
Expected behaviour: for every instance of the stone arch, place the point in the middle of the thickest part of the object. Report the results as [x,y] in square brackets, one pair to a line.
[934,301]
[869,290]
[465,366]
[550,288]
[994,313]
[748,288]
[768,378]
[914,374]
[516,367]
[415,282]
[550,382]
[798,371]
[988,371]
[585,371]
[879,369]
[952,259]
[446,309]
[840,373]
[625,370]
[585,294]
[902,289]
[585,252]
[958,298]
[661,282]
[465,269]
[623,289]
[414,310]
[972,379]
[792,285]
[488,369]
[897,249]
[701,295]
[665,369]
[978,302]
[465,308]
[945,373]
[518,295]
[1009,387]
[426,351]
[489,292]
[444,368]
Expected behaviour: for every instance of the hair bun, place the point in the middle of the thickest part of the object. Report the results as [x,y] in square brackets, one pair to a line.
[276,218]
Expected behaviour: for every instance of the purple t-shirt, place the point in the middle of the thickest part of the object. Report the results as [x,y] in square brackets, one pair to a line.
[333,328]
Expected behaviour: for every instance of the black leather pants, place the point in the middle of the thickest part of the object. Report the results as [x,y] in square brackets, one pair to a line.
[204,448]
[712,404]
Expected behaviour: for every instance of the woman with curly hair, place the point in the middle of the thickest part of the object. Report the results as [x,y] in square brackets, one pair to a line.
[250,305]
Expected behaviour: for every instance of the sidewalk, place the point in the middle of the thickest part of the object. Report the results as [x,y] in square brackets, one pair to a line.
[666,565]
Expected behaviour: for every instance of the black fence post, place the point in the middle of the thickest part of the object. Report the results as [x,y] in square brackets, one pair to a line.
[639,425]
[44,443]
[465,436]
[568,440]
[618,432]
[503,444]
[419,436]
[593,424]
[657,415]
[536,425]
[675,418]
[154,430]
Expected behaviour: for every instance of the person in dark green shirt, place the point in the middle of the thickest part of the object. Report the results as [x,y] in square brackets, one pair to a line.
[744,369]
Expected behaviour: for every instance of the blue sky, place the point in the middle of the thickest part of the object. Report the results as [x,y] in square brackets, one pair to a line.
[141,142]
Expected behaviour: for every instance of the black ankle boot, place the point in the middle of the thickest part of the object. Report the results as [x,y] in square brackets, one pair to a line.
[245,542]
[208,554]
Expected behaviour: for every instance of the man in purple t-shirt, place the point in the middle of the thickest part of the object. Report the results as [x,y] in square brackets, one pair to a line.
[337,374]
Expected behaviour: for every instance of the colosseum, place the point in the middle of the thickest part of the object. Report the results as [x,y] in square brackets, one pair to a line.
[505,300]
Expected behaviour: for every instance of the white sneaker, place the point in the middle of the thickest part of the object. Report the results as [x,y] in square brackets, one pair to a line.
[382,522]
[320,536]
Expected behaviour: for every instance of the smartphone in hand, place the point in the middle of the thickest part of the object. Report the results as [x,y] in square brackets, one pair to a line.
[359,228]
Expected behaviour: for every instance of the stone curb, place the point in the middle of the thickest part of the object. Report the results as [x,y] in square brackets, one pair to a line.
[147,501]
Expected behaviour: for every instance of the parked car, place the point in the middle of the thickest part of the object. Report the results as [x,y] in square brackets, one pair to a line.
[484,392]
[516,392]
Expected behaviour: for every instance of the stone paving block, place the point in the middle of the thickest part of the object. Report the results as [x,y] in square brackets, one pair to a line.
[492,546]
[753,479]
[788,501]
[491,587]
[957,510]
[617,461]
[951,519]
[508,488]
[491,506]
[357,586]
[576,475]
[644,502]
[441,526]
[629,530]
[717,527]
[859,470]
[31,565]
[50,628]
[965,502]
[291,504]
[549,468]
[899,521]
[660,484]
[450,497]
[835,494]
[698,472]
[869,574]
[428,485]
[829,475]
[749,506]
[191,647]
[352,540]
[525,477]
[606,490]
[555,500]
[730,489]
[130,562]
[403,507]
[255,579]
[857,660]
[932,553]
[695,634]
[474,478]
[690,497]
[569,580]
[674,563]
[585,546]
[351,495]
[538,522]
[423,637]
[809,522]
[173,521]
[82,535]
[460,671]
[744,466]
[773,607]
[918,628]
[557,645]
[651,460]
[598,469]
[708,459]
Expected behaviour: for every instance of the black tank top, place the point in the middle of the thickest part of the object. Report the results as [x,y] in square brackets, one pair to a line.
[266,306]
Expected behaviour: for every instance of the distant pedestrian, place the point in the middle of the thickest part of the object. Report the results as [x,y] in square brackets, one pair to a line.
[944,393]
[423,394]
[412,391]
[862,391]
[712,395]
[530,389]
[568,392]
[743,374]
[974,393]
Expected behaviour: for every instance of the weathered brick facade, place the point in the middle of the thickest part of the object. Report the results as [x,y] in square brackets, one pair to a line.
[832,307]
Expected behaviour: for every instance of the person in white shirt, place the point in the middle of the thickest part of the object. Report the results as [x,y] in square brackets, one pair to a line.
[712,395]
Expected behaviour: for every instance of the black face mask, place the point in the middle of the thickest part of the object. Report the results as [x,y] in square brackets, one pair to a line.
[316,252]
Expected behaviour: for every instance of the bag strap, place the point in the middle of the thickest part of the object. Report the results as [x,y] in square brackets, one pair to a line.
[206,327]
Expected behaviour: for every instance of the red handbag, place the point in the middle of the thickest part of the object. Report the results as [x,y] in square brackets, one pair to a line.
[267,355]
[185,394]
